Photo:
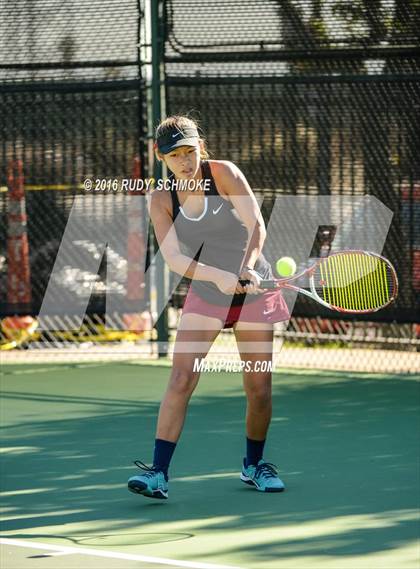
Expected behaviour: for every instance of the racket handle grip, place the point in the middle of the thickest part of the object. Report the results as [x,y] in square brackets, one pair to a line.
[264,284]
[268,284]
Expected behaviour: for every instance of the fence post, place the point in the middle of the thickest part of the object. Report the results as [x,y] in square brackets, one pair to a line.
[161,272]
[18,270]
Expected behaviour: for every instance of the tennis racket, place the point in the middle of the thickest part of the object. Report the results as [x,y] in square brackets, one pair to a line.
[356,282]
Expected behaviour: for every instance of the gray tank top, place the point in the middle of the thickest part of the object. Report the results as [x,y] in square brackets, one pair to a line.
[217,238]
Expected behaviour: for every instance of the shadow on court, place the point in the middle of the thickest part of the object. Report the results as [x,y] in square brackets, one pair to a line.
[345,445]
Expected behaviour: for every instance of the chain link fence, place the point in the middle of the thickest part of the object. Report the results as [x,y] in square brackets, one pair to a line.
[73,108]
[306,97]
[313,98]
[62,137]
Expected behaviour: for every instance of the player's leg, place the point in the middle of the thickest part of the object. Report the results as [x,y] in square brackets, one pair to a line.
[195,336]
[256,376]
[255,345]
[194,339]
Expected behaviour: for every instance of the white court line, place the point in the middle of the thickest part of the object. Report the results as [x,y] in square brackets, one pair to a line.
[110,554]
[57,553]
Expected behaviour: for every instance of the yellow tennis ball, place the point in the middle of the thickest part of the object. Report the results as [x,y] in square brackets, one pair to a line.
[286,267]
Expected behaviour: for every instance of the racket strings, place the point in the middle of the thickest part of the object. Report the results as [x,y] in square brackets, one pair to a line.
[355,281]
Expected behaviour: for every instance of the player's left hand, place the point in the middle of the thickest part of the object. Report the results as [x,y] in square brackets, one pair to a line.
[254,277]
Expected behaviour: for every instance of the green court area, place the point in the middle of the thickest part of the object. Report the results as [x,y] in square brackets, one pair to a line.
[346,446]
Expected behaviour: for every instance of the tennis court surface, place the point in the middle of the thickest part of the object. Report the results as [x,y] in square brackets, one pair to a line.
[346,446]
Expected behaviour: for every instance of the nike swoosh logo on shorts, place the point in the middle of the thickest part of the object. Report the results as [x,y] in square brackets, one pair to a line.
[218,209]
[265,312]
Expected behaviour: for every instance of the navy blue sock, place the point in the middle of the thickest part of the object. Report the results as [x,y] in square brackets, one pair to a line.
[162,455]
[254,451]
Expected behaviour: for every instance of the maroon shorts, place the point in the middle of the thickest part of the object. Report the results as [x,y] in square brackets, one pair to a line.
[267,307]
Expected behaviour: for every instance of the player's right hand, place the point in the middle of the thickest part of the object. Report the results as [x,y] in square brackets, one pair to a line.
[228,283]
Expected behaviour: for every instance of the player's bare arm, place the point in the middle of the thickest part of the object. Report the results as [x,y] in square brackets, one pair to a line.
[233,183]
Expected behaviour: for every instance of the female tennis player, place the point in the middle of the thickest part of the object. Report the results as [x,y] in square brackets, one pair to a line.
[214,235]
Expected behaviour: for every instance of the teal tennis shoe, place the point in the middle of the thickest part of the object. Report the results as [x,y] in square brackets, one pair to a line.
[151,484]
[263,476]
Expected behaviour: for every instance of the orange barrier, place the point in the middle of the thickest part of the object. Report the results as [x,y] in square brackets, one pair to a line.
[135,243]
[19,272]
[17,329]
[136,257]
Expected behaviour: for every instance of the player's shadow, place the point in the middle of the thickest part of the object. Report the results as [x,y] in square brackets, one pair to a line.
[345,445]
